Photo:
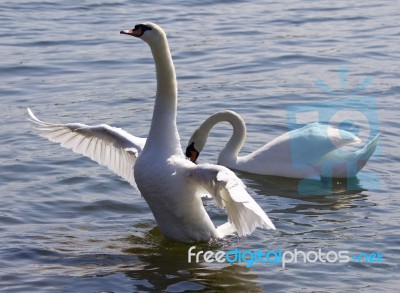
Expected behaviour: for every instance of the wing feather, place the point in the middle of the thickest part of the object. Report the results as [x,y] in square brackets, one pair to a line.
[109,146]
[244,214]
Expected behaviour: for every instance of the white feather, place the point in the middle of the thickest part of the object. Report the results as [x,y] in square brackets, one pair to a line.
[109,146]
[244,214]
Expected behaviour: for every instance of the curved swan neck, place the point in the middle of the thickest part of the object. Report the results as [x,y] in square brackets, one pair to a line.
[231,150]
[163,130]
[165,71]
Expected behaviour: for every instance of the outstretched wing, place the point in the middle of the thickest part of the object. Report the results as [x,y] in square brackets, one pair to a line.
[109,146]
[244,214]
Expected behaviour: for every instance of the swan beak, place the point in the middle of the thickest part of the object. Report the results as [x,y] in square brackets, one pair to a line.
[137,31]
[192,153]
[131,32]
[193,156]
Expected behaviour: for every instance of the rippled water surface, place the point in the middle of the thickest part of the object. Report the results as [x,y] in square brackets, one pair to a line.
[69,225]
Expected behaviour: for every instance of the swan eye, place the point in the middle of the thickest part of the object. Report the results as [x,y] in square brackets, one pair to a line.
[146,28]
[142,28]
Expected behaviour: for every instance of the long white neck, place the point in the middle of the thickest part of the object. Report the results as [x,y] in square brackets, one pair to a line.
[230,152]
[163,131]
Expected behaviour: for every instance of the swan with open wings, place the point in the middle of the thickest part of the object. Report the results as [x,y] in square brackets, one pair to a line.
[170,184]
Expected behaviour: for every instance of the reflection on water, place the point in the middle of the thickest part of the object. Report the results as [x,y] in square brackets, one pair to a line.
[302,187]
[331,203]
[147,259]
[165,265]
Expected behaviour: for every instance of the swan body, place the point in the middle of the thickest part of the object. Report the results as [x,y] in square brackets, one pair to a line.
[311,152]
[171,185]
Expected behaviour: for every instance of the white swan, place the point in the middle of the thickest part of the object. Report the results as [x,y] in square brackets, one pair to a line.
[312,151]
[170,184]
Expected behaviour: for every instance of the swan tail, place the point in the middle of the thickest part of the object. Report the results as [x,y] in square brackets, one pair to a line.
[364,154]
[346,165]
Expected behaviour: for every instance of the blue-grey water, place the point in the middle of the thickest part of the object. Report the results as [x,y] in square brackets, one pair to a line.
[69,225]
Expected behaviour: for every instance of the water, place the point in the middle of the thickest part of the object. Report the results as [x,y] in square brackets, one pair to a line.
[69,225]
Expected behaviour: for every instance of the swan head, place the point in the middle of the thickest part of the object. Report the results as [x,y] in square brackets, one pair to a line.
[191,153]
[148,32]
[196,144]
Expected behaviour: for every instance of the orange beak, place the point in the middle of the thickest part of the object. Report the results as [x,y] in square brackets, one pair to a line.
[192,153]
[132,32]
